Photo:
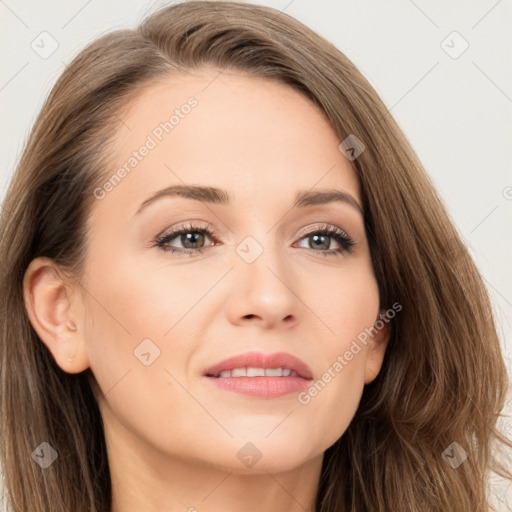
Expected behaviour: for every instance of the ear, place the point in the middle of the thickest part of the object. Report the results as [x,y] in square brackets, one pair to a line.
[376,348]
[47,295]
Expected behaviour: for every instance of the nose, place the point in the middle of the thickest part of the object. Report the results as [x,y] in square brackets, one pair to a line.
[264,292]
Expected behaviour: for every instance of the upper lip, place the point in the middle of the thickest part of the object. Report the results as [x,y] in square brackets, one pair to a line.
[260,360]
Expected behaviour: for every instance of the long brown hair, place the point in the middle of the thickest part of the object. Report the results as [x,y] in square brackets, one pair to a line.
[443,380]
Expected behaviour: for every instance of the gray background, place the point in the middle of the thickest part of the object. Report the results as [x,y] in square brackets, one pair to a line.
[455,108]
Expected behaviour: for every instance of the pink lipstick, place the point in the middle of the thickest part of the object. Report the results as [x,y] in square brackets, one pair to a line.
[261,375]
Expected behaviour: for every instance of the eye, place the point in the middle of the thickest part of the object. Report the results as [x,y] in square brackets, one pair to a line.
[193,240]
[320,240]
[191,237]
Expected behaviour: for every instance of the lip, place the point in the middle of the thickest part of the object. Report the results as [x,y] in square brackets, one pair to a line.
[264,387]
[260,360]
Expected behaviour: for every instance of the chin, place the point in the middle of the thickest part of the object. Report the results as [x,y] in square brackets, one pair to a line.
[259,455]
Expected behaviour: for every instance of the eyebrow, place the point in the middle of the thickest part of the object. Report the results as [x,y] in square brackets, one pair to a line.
[219,196]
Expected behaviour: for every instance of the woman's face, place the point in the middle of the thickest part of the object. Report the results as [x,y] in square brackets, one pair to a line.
[157,323]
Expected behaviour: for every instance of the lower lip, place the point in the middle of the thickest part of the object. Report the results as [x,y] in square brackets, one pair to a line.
[263,387]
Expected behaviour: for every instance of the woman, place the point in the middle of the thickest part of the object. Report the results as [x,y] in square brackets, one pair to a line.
[230,285]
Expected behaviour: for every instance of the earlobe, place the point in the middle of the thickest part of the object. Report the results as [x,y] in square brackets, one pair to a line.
[376,351]
[47,301]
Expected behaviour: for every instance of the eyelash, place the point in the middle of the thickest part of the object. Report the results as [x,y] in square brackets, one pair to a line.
[333,232]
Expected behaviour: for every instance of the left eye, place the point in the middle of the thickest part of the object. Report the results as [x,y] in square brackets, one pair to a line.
[192,239]
[322,240]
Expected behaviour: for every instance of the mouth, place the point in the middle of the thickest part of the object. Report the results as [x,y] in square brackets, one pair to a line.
[261,375]
[252,371]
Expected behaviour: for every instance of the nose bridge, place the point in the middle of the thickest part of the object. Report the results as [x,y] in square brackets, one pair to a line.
[263,281]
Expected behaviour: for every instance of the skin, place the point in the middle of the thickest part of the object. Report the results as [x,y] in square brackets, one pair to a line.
[173,438]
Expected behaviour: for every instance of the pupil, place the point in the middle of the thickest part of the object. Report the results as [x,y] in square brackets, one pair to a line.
[322,245]
[190,238]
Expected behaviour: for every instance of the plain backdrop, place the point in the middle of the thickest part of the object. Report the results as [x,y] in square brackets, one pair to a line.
[442,68]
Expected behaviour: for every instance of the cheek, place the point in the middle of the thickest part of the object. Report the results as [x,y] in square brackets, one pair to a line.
[143,321]
[135,302]
[334,395]
[349,309]
[127,322]
[345,301]
[129,355]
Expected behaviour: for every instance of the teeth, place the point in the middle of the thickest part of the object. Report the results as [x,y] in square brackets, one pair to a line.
[275,372]
[255,372]
[258,372]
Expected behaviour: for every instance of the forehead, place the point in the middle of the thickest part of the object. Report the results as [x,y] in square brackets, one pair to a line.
[255,137]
